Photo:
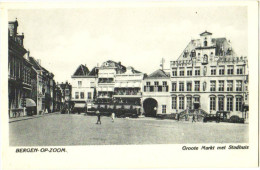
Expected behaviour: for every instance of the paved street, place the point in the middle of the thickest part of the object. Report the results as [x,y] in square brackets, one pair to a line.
[58,129]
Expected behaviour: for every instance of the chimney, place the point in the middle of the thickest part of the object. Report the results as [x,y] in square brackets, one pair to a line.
[39,61]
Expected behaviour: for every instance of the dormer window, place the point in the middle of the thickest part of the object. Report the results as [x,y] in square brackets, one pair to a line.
[193,54]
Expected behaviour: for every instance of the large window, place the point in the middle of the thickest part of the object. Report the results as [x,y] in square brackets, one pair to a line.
[156,84]
[181,86]
[79,83]
[189,72]
[197,71]
[213,103]
[76,95]
[229,103]
[174,72]
[212,85]
[174,102]
[213,70]
[221,103]
[189,86]
[230,85]
[182,72]
[89,95]
[221,85]
[189,102]
[221,70]
[197,85]
[238,103]
[163,108]
[181,102]
[164,87]
[230,70]
[240,70]
[239,85]
[82,95]
[174,86]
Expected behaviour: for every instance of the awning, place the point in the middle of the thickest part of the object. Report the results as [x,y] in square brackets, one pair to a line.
[30,103]
[80,105]
[118,106]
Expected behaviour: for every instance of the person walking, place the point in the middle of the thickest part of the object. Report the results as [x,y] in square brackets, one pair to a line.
[113,116]
[193,118]
[98,117]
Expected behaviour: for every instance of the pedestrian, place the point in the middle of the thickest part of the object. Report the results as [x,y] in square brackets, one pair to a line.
[98,117]
[113,116]
[193,118]
[178,116]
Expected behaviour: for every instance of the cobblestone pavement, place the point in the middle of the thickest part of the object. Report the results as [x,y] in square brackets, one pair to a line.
[58,129]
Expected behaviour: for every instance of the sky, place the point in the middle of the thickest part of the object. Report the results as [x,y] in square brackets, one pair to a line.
[139,37]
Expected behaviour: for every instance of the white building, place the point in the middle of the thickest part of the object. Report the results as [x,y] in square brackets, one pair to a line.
[210,73]
[156,94]
[84,85]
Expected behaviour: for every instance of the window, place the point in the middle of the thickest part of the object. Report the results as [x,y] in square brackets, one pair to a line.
[156,83]
[205,59]
[197,85]
[189,72]
[174,86]
[77,95]
[197,71]
[189,86]
[67,92]
[221,70]
[229,103]
[212,103]
[165,87]
[181,86]
[189,102]
[221,85]
[174,72]
[163,108]
[82,95]
[230,70]
[221,103]
[239,85]
[193,53]
[213,70]
[148,83]
[181,102]
[181,72]
[240,70]
[238,103]
[212,85]
[174,102]
[79,83]
[89,95]
[164,83]
[230,85]
[205,43]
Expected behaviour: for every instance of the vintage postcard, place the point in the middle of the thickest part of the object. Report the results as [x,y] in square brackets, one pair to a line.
[129,84]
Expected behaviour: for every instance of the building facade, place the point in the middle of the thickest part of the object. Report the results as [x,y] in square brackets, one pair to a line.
[19,74]
[84,84]
[156,94]
[210,73]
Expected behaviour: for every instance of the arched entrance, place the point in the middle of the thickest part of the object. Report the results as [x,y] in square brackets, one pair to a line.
[149,107]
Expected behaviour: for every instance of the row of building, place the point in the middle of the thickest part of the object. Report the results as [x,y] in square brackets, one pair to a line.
[208,74]
[31,88]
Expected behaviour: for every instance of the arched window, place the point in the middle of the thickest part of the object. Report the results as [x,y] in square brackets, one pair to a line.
[193,53]
[205,43]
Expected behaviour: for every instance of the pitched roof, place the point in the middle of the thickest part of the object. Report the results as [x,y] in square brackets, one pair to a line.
[206,33]
[35,64]
[158,74]
[93,72]
[81,71]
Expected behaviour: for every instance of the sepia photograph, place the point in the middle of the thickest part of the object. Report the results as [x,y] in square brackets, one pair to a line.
[132,75]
